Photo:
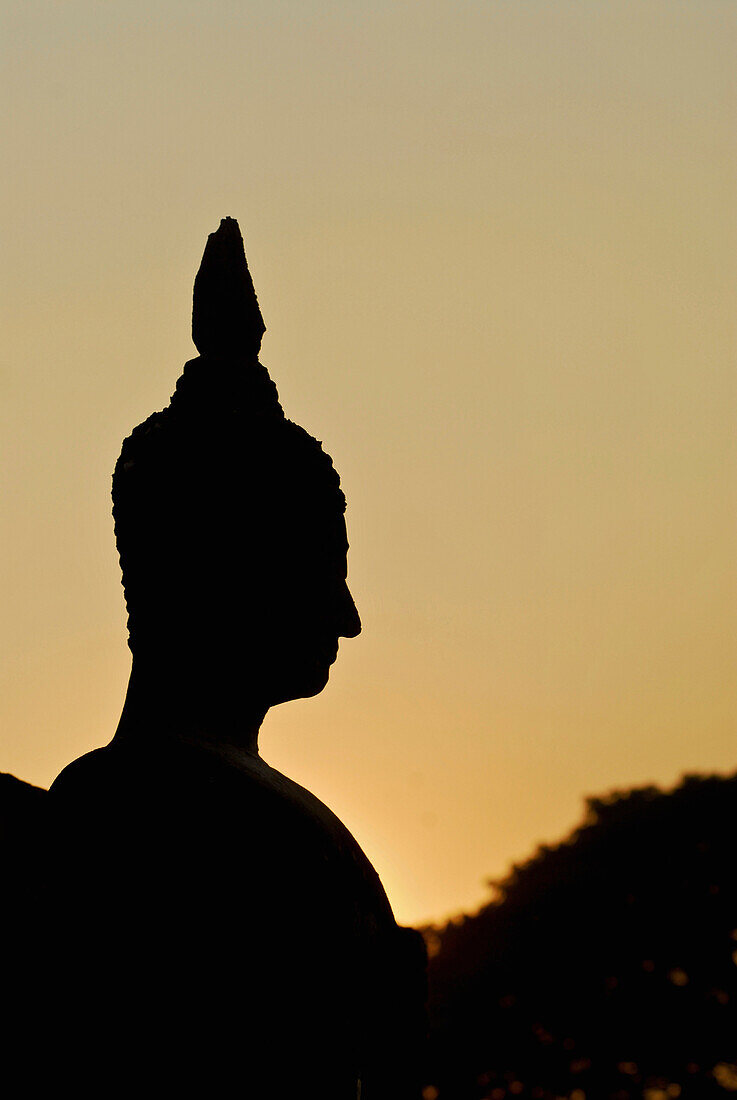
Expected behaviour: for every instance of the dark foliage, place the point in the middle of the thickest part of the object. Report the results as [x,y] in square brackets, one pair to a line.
[603,967]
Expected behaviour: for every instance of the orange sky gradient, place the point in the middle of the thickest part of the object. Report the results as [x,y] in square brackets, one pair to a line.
[494,246]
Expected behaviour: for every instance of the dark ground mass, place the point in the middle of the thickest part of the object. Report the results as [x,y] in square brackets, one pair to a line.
[605,968]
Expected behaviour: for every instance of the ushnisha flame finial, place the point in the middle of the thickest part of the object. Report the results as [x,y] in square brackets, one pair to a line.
[226,319]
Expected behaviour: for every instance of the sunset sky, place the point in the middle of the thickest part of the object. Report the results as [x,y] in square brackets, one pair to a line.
[495,248]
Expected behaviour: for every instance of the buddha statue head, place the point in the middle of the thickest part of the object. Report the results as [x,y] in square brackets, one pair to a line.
[229,518]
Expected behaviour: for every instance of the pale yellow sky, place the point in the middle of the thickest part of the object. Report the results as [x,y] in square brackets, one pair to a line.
[494,246]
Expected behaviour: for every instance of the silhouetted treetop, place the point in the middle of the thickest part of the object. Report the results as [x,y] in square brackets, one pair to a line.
[604,964]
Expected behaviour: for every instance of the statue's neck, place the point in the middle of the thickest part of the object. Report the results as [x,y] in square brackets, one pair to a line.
[188,704]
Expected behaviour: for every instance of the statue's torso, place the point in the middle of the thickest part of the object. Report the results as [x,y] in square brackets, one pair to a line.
[223,907]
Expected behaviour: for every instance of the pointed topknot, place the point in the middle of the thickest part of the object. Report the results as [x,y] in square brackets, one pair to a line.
[226,319]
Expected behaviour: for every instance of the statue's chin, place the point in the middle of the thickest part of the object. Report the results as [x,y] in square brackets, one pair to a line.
[305,685]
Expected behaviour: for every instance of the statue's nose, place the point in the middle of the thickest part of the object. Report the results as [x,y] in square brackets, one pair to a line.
[350,622]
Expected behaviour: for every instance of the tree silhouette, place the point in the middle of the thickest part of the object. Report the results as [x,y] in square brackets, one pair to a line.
[603,967]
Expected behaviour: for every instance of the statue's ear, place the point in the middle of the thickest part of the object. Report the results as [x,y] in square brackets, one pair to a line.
[226,319]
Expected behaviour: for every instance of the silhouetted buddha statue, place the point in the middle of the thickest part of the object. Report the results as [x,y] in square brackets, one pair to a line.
[217,930]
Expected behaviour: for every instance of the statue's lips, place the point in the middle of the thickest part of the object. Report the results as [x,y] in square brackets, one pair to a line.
[328,651]
[320,654]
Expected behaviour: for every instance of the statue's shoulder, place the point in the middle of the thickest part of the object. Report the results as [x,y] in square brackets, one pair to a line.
[227,816]
[300,833]
[86,769]
[304,827]
[103,782]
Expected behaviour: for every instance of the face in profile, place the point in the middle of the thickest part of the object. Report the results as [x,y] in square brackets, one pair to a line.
[277,628]
[229,517]
[310,611]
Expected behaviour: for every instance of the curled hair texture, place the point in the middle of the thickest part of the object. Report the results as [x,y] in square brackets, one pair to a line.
[214,486]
